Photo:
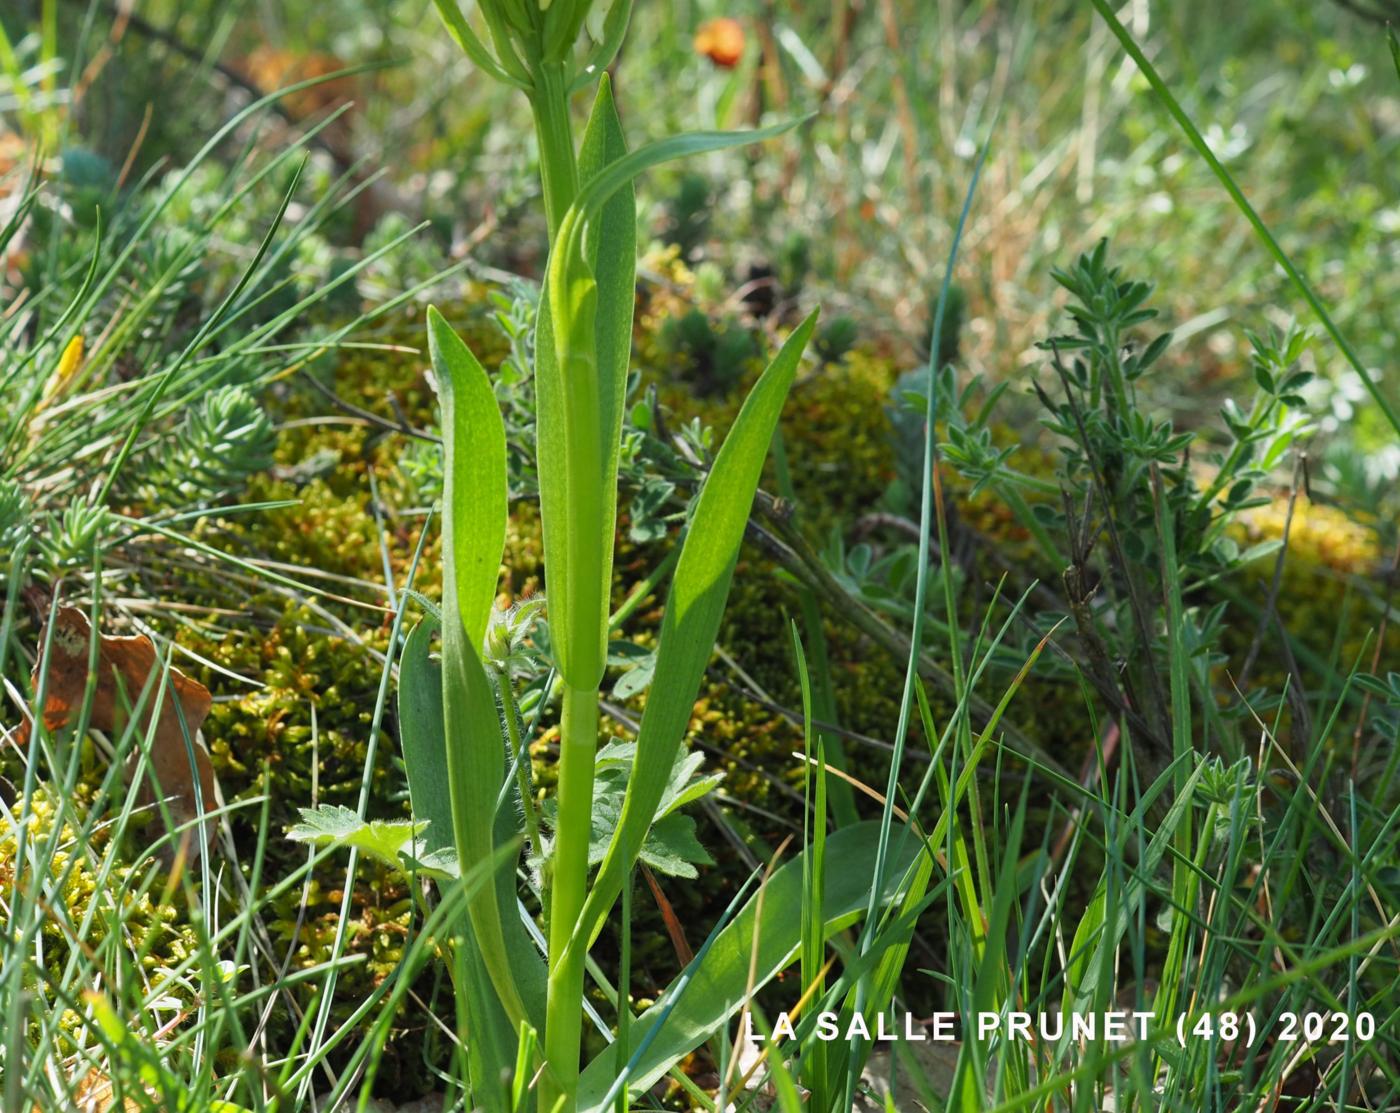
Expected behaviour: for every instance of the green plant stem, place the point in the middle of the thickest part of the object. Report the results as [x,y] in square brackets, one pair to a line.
[522,763]
[566,874]
[549,100]
[569,868]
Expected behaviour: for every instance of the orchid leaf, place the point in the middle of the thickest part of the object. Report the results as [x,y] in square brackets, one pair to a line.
[475,494]
[425,756]
[694,608]
[765,932]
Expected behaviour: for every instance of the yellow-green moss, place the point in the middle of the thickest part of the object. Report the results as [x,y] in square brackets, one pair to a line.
[126,901]
[1326,593]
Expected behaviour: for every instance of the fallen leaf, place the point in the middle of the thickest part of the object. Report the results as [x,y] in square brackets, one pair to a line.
[124,665]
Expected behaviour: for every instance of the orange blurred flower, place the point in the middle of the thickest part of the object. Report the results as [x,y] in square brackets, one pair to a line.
[721,41]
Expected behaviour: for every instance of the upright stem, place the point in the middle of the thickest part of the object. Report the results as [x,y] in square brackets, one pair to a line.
[521,754]
[564,1010]
[568,868]
[558,163]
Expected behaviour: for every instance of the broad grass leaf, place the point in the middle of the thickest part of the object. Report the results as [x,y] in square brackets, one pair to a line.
[425,754]
[718,986]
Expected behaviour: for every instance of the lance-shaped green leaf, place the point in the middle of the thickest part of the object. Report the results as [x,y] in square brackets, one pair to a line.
[491,1050]
[423,741]
[474,471]
[474,525]
[475,751]
[571,503]
[718,987]
[694,608]
[424,745]
[576,395]
[611,251]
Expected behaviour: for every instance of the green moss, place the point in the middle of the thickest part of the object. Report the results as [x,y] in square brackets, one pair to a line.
[126,903]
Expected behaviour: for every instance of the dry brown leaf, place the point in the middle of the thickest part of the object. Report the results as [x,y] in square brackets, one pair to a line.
[124,665]
[679,943]
[95,1094]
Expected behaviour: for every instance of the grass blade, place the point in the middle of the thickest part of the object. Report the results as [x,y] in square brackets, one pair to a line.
[1197,140]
